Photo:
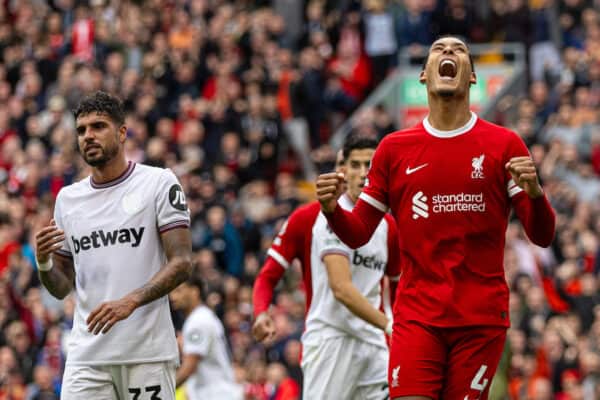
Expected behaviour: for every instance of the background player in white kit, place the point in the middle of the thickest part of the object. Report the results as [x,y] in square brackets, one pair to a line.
[121,239]
[344,349]
[206,365]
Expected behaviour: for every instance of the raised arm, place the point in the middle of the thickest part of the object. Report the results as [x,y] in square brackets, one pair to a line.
[177,245]
[532,206]
[354,228]
[55,267]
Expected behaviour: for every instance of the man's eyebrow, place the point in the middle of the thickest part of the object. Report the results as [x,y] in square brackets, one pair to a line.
[455,44]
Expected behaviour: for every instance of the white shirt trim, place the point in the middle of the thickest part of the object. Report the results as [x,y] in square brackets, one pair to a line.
[513,188]
[337,251]
[373,201]
[279,258]
[346,202]
[449,134]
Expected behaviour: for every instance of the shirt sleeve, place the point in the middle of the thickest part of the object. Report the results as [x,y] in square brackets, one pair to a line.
[536,215]
[288,243]
[65,249]
[329,243]
[375,191]
[264,285]
[198,337]
[171,207]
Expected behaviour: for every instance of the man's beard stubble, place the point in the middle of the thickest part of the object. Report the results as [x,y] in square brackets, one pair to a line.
[107,155]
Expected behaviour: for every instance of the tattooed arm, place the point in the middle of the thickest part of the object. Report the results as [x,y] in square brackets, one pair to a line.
[178,247]
[177,244]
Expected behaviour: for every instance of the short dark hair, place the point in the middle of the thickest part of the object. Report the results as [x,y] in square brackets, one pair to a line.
[195,281]
[459,37]
[358,142]
[102,103]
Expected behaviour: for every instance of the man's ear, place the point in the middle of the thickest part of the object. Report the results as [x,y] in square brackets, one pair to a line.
[473,79]
[422,77]
[122,133]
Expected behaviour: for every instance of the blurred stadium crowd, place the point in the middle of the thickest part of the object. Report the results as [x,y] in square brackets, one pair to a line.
[239,98]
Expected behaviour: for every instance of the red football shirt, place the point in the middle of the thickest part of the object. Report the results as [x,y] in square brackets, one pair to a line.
[451,195]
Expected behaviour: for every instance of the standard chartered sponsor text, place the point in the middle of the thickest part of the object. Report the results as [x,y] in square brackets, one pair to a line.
[458,202]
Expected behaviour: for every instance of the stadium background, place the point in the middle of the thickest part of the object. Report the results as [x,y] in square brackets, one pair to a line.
[240,98]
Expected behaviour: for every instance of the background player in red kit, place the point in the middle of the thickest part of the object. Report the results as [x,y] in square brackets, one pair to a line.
[345,354]
[450,183]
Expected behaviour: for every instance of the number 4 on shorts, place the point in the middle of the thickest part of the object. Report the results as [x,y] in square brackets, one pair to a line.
[477,383]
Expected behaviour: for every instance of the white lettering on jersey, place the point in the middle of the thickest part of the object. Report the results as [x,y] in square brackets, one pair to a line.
[447,203]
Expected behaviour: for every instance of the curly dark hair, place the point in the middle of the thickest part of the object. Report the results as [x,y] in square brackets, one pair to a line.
[102,103]
[358,142]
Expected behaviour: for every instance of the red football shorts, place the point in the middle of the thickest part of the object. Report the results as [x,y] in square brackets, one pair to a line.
[443,363]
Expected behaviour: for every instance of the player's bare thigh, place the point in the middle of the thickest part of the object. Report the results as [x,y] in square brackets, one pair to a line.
[412,398]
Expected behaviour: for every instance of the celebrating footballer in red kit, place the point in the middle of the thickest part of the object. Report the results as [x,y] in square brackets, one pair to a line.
[450,183]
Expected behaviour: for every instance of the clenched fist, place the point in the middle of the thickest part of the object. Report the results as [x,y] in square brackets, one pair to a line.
[524,173]
[330,187]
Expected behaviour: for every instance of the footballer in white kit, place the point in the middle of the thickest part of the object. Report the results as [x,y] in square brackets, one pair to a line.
[206,368]
[345,354]
[122,243]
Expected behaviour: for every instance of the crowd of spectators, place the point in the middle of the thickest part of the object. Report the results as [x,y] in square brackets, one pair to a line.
[239,98]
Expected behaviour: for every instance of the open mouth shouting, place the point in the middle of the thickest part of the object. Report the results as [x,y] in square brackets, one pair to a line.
[447,69]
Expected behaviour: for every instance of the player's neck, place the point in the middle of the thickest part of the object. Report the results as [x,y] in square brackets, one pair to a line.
[352,198]
[110,171]
[448,114]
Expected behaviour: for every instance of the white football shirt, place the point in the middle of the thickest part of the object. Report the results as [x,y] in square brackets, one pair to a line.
[112,232]
[327,317]
[203,335]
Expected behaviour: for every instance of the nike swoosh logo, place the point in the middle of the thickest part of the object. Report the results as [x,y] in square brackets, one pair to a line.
[410,171]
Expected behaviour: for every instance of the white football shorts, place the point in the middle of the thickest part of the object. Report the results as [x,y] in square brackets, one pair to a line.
[147,381]
[344,368]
